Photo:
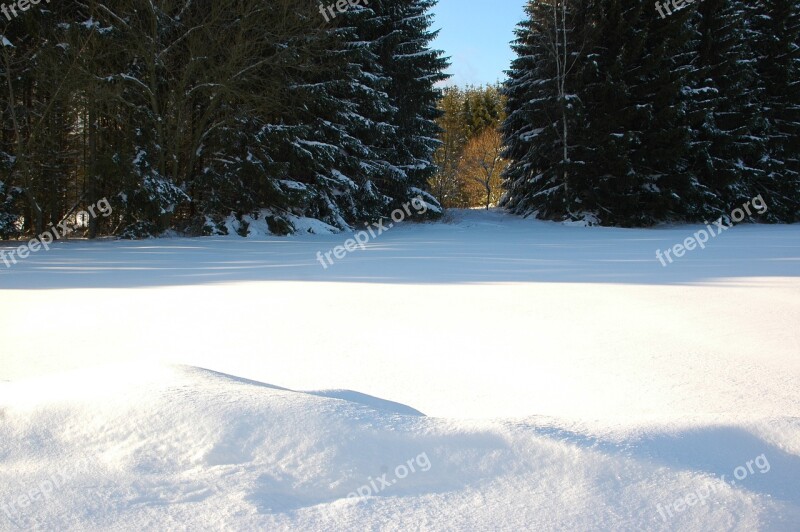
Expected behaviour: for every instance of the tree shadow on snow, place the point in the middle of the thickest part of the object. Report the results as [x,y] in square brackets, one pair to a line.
[481,248]
[746,461]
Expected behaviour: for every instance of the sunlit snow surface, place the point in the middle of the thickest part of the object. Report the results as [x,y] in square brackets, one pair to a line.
[567,380]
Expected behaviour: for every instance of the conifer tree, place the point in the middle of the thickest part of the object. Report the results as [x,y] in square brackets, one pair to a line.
[774,31]
[541,112]
[728,145]
[184,114]
[403,46]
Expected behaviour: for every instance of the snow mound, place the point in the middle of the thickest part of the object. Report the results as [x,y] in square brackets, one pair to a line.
[147,446]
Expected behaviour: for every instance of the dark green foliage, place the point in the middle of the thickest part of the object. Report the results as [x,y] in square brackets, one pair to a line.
[184,114]
[648,119]
[538,178]
[774,33]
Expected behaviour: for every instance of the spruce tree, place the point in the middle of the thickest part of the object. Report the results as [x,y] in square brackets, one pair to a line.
[603,168]
[774,30]
[539,113]
[599,131]
[660,127]
[728,145]
[183,114]
[403,47]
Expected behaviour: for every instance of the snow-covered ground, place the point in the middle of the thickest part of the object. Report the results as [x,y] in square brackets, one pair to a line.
[567,380]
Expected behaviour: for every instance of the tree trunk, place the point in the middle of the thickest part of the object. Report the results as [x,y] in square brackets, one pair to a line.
[92,184]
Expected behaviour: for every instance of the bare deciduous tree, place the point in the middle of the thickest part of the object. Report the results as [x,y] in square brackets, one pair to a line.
[482,165]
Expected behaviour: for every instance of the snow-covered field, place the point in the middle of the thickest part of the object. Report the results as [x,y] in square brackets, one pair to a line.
[568,381]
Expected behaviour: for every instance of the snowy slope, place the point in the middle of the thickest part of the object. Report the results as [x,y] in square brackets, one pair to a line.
[166,447]
[571,381]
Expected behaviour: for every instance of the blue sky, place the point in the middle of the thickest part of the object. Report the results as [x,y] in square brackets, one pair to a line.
[476,35]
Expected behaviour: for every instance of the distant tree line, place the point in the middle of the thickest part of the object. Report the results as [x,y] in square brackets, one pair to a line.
[618,116]
[183,113]
[469,159]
